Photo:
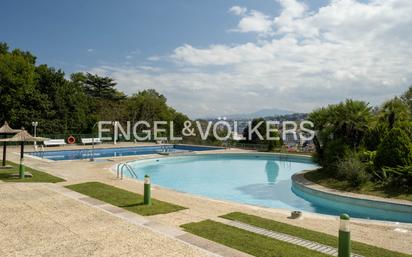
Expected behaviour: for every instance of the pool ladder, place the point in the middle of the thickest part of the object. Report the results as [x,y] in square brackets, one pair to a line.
[120,170]
[41,152]
[166,148]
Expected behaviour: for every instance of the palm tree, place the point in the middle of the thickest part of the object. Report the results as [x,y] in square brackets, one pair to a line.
[351,121]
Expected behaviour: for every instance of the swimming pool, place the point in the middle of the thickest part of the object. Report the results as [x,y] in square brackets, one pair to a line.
[257,179]
[80,154]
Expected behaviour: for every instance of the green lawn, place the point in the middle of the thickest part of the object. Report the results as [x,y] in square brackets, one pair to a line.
[370,188]
[124,199]
[246,241]
[38,176]
[359,248]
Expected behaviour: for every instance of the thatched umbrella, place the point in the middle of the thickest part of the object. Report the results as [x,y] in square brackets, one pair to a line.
[6,130]
[22,137]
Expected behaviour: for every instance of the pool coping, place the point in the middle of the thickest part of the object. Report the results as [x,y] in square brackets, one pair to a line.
[299,179]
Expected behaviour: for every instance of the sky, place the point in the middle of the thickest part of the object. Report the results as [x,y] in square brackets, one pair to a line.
[213,58]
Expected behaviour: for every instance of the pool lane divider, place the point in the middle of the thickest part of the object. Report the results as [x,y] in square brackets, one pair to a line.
[325,249]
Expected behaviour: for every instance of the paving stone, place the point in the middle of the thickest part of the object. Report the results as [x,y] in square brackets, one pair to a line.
[286,238]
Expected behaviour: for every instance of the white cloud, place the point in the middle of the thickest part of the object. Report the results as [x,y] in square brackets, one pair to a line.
[238,10]
[346,49]
[255,22]
[90,50]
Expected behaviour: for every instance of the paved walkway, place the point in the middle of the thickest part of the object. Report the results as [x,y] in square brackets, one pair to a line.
[285,238]
[35,220]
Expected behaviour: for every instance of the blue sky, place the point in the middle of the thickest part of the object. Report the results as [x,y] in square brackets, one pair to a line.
[217,57]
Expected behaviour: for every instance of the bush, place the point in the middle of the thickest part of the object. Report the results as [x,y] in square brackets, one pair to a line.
[333,151]
[353,170]
[374,137]
[406,126]
[400,176]
[395,150]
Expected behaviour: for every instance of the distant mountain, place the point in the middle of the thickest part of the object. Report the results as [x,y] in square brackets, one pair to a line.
[260,113]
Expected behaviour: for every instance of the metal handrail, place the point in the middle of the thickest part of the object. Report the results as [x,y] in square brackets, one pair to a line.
[120,167]
[41,151]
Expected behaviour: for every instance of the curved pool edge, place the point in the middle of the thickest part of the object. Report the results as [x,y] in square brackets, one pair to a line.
[315,190]
[365,221]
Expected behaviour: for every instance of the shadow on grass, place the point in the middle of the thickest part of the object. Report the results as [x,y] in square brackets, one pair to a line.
[133,205]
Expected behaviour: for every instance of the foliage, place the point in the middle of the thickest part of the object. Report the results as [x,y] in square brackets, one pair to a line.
[345,123]
[353,170]
[374,136]
[354,142]
[395,150]
[394,111]
[334,150]
[398,176]
[407,98]
[30,92]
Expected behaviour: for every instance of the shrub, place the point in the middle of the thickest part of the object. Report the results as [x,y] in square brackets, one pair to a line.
[334,150]
[374,137]
[400,176]
[353,170]
[406,126]
[395,150]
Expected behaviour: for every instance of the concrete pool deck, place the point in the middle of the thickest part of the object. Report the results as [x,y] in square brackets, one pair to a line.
[397,237]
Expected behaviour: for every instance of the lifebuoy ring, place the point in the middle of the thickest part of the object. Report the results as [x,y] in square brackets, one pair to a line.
[71,140]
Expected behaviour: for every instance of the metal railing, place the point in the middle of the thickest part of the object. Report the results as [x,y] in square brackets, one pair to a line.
[120,170]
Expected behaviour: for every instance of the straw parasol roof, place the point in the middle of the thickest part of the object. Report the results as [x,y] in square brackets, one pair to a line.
[23,136]
[5,129]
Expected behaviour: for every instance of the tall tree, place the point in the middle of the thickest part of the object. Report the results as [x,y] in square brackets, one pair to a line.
[20,102]
[101,87]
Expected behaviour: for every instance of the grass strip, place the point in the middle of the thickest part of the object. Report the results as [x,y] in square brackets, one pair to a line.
[246,241]
[38,176]
[124,199]
[322,238]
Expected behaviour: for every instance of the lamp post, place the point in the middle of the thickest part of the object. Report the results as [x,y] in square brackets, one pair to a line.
[147,198]
[92,155]
[344,236]
[34,124]
[116,132]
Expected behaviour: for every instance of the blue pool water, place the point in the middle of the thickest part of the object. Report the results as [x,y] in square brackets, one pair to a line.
[80,154]
[252,179]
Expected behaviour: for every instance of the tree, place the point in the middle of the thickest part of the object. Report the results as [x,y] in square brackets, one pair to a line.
[407,98]
[393,111]
[148,105]
[101,87]
[41,93]
[4,48]
[395,150]
[20,102]
[351,120]
[345,123]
